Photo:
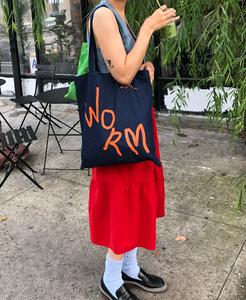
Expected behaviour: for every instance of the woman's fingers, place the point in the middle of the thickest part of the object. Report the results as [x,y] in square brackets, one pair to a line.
[150,68]
[162,16]
[163,8]
[169,13]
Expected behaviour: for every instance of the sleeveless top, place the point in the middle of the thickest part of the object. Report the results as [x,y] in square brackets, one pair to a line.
[127,37]
[126,199]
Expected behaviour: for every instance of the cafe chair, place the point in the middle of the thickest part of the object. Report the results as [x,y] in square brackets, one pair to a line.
[29,102]
[13,151]
[51,97]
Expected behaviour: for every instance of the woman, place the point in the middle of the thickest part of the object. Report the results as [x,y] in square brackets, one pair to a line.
[125,200]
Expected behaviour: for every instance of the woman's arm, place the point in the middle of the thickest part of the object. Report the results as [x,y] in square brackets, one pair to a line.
[122,66]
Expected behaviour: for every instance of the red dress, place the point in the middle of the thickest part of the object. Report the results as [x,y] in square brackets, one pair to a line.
[124,202]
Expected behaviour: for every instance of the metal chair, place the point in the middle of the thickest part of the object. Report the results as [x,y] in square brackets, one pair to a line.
[28,102]
[56,96]
[12,152]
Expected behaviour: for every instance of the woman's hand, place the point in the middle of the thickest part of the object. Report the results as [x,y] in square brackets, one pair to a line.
[122,66]
[160,18]
[149,67]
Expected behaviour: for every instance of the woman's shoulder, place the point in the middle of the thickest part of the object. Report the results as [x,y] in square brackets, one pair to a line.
[104,17]
[103,13]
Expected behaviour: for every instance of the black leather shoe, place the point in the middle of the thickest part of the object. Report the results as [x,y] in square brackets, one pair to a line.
[148,283]
[123,293]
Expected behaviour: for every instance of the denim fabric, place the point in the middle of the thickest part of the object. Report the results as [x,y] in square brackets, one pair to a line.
[127,38]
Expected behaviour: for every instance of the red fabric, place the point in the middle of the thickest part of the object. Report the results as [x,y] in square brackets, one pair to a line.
[124,202]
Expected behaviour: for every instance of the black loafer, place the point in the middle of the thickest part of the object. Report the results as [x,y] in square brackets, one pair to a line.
[148,283]
[123,293]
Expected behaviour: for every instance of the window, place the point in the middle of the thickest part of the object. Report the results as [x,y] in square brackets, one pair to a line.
[62,35]
[25,40]
[5,57]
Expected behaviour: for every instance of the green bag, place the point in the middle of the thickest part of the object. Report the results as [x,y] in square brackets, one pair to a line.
[82,69]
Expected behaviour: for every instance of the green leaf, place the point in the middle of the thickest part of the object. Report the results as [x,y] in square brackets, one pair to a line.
[243,174]
[14,26]
[239,201]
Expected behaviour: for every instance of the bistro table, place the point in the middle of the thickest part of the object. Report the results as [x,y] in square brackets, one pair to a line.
[2,81]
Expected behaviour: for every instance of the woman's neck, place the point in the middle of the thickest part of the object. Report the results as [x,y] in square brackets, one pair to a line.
[119,6]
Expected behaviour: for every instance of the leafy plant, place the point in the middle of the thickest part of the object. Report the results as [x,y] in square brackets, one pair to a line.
[210,47]
[24,45]
[136,12]
[53,56]
[37,6]
[64,33]
[212,36]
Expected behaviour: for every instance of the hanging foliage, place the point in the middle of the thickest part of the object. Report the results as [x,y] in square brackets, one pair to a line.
[137,11]
[209,47]
[38,8]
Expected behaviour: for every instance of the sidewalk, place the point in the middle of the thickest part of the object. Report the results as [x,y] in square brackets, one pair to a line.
[45,248]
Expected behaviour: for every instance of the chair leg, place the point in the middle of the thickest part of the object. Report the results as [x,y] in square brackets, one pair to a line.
[50,126]
[11,168]
[9,171]
[6,121]
[28,110]
[71,128]
[49,117]
[54,134]
[46,148]
[7,157]
[34,181]
[20,158]
[42,116]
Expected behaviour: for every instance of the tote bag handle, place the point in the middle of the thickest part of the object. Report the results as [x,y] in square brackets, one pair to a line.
[92,48]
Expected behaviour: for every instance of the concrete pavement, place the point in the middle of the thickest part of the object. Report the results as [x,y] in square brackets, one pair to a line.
[45,248]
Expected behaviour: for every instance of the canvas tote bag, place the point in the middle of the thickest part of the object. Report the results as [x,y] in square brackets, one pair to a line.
[116,120]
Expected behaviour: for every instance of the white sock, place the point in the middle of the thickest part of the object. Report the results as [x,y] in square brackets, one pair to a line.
[130,265]
[112,277]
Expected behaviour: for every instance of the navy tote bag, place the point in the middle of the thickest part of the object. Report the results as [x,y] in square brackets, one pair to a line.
[116,120]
